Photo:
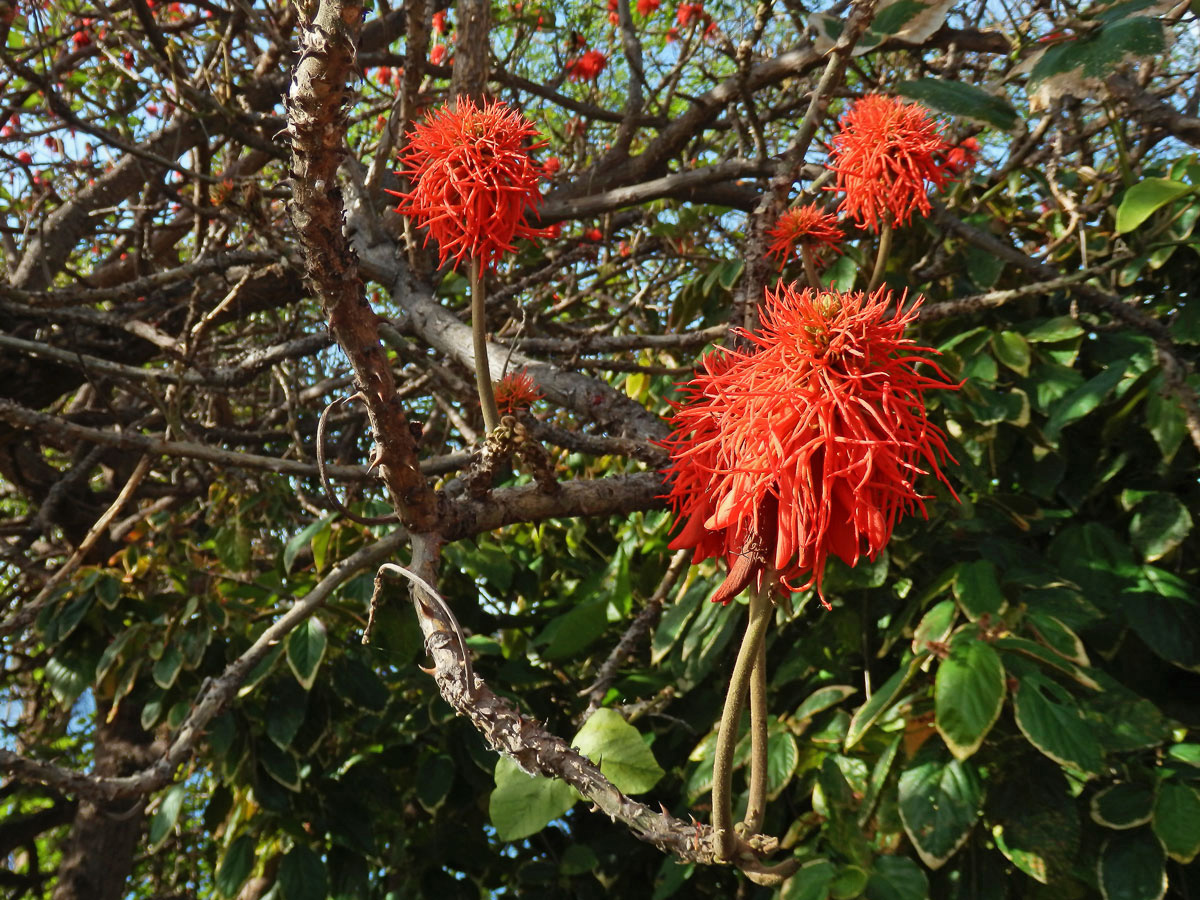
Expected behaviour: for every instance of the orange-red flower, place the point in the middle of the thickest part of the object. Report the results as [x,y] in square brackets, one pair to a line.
[438,54]
[587,67]
[886,155]
[646,7]
[808,444]
[515,392]
[959,159]
[689,13]
[808,226]
[473,179]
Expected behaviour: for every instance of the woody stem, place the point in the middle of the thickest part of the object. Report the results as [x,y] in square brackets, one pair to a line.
[731,715]
[757,805]
[810,267]
[885,247]
[483,372]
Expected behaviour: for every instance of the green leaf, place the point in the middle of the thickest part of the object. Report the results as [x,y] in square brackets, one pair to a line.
[1145,198]
[1097,54]
[1047,658]
[840,274]
[261,670]
[1122,720]
[935,626]
[112,653]
[1050,720]
[673,621]
[879,776]
[1177,820]
[66,619]
[617,747]
[298,542]
[811,881]
[522,804]
[1123,805]
[69,673]
[577,859]
[235,867]
[285,713]
[672,874]
[782,757]
[884,697]
[1012,349]
[1036,825]
[958,98]
[821,699]
[435,778]
[897,878]
[968,696]
[305,650]
[848,883]
[566,635]
[977,590]
[1058,637]
[166,670]
[1161,609]
[166,815]
[302,875]
[1054,330]
[1167,422]
[1082,400]
[1132,866]
[1160,524]
[281,765]
[940,800]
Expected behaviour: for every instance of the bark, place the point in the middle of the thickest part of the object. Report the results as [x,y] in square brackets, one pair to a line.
[97,855]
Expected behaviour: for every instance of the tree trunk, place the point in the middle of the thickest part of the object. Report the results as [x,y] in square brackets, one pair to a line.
[97,855]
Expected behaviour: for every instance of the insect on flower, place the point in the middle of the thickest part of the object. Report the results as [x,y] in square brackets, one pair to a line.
[807,445]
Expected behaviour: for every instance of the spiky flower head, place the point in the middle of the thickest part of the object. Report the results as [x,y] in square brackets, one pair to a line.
[804,226]
[807,444]
[886,155]
[516,392]
[473,180]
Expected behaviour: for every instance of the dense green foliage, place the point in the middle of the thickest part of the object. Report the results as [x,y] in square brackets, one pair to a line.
[1005,703]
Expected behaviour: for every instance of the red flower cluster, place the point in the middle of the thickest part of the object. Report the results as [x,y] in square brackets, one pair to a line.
[438,54]
[614,14]
[645,7]
[473,179]
[886,156]
[587,67]
[515,392]
[439,22]
[551,166]
[807,445]
[688,13]
[962,157]
[804,225]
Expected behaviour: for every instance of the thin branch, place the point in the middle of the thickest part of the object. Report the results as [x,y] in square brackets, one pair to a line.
[68,431]
[30,610]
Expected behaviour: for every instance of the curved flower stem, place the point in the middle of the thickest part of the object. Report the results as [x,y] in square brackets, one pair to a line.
[757,805]
[885,247]
[483,371]
[810,267]
[727,734]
